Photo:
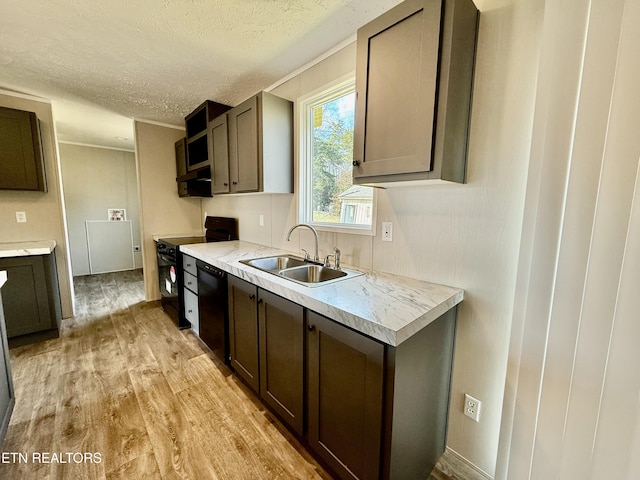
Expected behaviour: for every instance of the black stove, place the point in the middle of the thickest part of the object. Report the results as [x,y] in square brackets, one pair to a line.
[170,268]
[169,246]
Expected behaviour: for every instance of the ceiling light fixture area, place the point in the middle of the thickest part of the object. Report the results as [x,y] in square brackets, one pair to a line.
[5,59]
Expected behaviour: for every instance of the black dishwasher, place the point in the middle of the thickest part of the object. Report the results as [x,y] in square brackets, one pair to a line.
[213,309]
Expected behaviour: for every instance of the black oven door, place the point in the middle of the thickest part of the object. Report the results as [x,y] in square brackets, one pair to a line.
[168,283]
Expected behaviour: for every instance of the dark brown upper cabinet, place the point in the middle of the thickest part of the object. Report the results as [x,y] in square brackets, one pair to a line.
[21,159]
[197,123]
[414,76]
[219,153]
[193,164]
[251,147]
[181,166]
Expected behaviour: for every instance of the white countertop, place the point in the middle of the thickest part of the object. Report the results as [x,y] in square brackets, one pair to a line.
[3,277]
[177,235]
[24,249]
[387,307]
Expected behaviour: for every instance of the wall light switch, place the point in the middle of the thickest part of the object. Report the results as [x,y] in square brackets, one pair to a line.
[387,231]
[21,217]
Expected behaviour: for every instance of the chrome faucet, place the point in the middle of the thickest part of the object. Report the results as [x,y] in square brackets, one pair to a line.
[315,233]
[336,258]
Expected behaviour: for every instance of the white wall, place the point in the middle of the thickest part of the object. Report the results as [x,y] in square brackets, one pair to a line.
[571,402]
[96,179]
[45,211]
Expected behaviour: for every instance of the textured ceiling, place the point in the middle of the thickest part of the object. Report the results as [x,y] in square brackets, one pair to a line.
[104,62]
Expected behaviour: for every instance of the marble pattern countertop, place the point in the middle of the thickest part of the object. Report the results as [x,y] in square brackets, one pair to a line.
[25,249]
[387,307]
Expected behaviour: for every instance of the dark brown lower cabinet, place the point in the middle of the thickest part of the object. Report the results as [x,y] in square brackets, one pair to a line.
[417,398]
[377,411]
[345,380]
[282,357]
[31,297]
[243,331]
[7,394]
[367,410]
[266,337]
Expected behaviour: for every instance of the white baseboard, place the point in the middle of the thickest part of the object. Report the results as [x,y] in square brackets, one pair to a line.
[456,466]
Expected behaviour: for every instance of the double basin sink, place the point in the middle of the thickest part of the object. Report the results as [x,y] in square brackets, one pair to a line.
[296,269]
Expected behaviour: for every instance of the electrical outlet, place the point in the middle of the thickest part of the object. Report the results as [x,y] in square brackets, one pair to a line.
[21,217]
[387,231]
[472,407]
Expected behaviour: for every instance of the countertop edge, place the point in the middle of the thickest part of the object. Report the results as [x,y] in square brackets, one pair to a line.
[25,249]
[306,296]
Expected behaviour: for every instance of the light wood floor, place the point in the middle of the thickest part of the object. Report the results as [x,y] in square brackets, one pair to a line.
[123,382]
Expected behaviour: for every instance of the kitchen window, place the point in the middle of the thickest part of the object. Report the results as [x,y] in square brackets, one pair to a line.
[328,199]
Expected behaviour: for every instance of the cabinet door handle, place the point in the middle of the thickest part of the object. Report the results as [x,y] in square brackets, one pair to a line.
[311,328]
[234,182]
[259,301]
[251,297]
[225,184]
[190,311]
[356,163]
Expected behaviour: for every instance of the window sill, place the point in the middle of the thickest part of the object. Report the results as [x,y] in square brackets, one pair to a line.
[323,227]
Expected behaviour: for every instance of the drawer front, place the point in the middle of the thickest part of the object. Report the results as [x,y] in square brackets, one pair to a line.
[191,310]
[190,282]
[189,265]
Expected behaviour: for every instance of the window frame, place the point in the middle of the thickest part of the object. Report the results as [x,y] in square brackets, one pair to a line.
[305,103]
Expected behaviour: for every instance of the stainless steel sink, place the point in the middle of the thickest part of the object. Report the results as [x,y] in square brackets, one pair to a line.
[274,264]
[312,274]
[299,270]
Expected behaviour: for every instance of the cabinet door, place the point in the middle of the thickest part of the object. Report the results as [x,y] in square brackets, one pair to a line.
[244,164]
[181,165]
[396,79]
[345,397]
[189,265]
[26,300]
[21,160]
[243,330]
[191,282]
[281,357]
[6,383]
[191,310]
[219,154]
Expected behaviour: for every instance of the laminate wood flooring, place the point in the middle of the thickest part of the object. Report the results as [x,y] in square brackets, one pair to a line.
[123,394]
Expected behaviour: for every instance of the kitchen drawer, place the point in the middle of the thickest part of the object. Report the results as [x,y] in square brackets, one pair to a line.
[190,282]
[191,310]
[189,265]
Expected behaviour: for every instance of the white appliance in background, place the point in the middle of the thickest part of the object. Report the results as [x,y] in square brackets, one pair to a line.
[110,246]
